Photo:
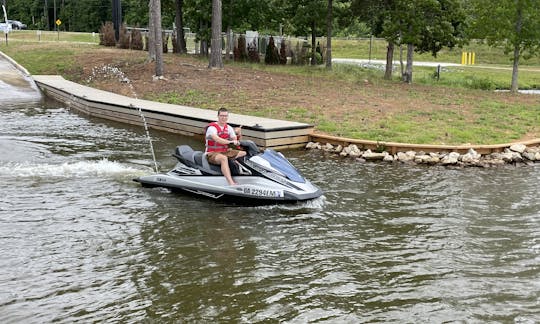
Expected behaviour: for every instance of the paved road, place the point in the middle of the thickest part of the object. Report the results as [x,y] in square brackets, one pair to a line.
[15,82]
[416,63]
[383,62]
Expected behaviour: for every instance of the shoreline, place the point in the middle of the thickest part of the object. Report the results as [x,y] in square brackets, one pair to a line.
[516,153]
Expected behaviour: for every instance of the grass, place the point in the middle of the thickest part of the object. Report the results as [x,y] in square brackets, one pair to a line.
[458,108]
[193,98]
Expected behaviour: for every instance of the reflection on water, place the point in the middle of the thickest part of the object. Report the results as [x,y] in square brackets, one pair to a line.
[387,243]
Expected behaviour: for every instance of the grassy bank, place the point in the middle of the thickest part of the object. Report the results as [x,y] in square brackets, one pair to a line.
[348,101]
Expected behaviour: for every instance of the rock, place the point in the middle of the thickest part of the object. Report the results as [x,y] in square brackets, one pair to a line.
[534,149]
[371,156]
[354,151]
[520,148]
[529,156]
[310,145]
[537,156]
[450,158]
[510,157]
[328,147]
[338,149]
[388,158]
[422,158]
[407,156]
[471,157]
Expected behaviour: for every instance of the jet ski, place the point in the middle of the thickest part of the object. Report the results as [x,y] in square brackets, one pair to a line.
[262,177]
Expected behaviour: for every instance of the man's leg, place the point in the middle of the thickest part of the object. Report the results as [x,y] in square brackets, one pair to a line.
[224,163]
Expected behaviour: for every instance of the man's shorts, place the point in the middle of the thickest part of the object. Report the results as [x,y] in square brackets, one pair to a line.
[231,154]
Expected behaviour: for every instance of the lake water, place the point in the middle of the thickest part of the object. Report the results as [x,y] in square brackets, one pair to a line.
[81,242]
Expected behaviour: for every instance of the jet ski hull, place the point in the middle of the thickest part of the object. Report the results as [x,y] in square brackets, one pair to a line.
[250,189]
[261,177]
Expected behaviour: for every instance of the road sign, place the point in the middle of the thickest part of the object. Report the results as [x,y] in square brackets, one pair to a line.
[58,22]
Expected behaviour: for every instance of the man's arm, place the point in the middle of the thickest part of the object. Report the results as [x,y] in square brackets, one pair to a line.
[220,140]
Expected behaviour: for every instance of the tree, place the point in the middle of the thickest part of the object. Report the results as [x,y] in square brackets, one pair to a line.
[422,25]
[329,21]
[215,57]
[179,22]
[513,24]
[155,30]
[307,18]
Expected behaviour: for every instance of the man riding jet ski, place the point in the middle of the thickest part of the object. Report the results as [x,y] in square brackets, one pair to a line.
[266,177]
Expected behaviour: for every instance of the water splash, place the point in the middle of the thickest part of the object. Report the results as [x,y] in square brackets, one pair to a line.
[107,72]
[102,167]
[110,71]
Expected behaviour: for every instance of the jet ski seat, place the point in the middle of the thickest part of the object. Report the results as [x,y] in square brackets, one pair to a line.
[197,159]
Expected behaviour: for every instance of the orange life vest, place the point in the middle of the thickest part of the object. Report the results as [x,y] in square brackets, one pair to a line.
[212,146]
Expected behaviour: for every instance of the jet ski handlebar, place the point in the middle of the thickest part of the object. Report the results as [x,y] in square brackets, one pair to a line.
[251,148]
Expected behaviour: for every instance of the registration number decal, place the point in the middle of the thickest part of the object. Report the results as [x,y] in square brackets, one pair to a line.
[263,192]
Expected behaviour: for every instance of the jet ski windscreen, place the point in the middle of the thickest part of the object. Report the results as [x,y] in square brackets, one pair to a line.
[281,164]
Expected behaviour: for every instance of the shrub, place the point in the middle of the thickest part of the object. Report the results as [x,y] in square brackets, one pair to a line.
[272,56]
[136,40]
[165,40]
[106,33]
[282,53]
[123,37]
[240,54]
[253,53]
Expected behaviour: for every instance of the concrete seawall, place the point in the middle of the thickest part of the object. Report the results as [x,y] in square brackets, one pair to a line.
[265,132]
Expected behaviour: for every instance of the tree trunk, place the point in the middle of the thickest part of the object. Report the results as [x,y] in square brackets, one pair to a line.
[203,48]
[407,76]
[230,47]
[329,36]
[389,61]
[515,87]
[179,22]
[215,55]
[517,52]
[313,60]
[158,40]
[151,34]
[401,70]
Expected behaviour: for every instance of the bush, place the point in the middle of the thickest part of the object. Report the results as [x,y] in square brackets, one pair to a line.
[165,40]
[318,57]
[282,53]
[123,37]
[479,83]
[253,53]
[106,34]
[272,56]
[136,40]
[240,54]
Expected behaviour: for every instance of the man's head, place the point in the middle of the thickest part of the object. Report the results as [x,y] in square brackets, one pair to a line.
[223,111]
[223,114]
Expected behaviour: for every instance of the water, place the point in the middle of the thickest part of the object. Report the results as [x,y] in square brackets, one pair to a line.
[81,242]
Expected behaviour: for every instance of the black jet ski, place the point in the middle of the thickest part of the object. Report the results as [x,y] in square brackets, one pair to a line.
[265,177]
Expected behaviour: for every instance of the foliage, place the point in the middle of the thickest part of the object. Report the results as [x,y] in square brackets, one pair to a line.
[253,52]
[513,24]
[239,51]
[106,34]
[136,40]
[272,56]
[123,37]
[282,53]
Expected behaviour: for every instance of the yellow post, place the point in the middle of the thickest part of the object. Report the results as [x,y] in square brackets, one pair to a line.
[463,58]
[473,57]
